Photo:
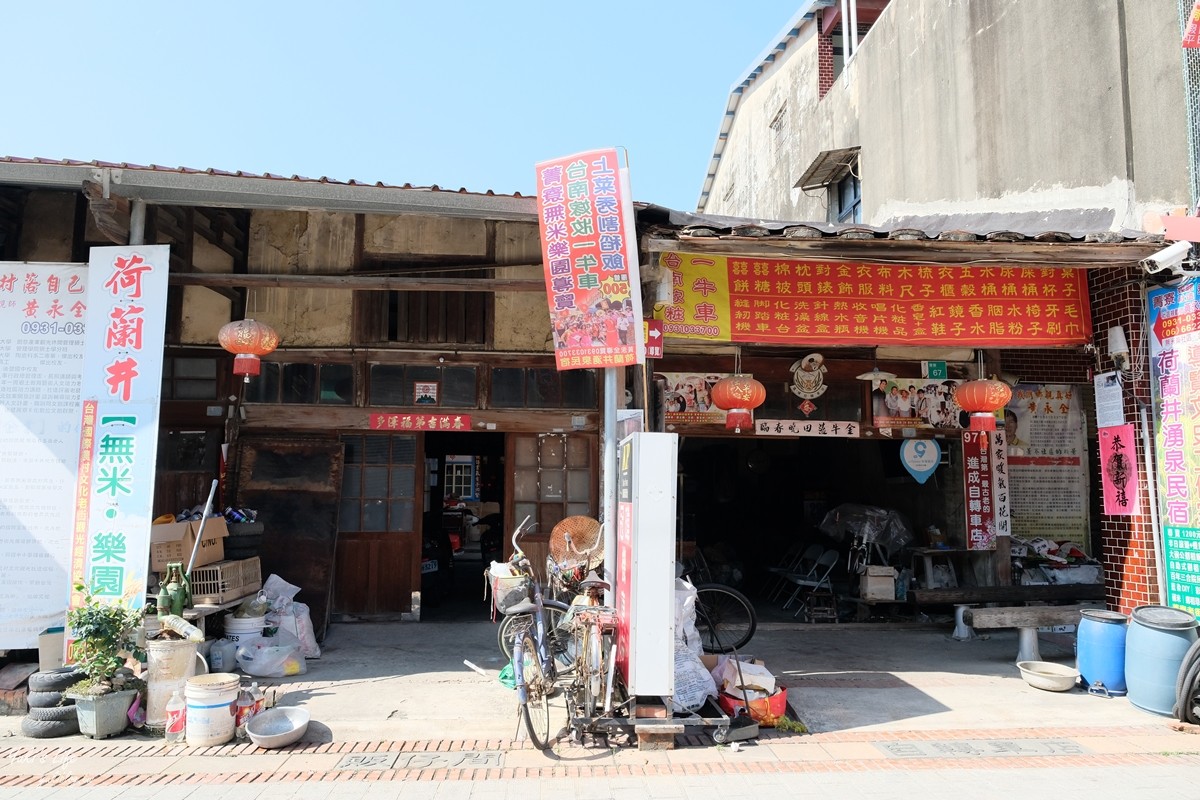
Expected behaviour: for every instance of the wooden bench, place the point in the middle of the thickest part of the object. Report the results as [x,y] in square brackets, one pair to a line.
[1027,620]
[1076,595]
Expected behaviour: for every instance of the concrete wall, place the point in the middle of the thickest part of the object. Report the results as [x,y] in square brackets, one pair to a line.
[993,105]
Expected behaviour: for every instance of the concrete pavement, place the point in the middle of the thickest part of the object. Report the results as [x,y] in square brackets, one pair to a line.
[890,708]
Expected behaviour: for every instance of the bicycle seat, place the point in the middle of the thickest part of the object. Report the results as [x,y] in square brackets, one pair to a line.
[523,607]
[594,581]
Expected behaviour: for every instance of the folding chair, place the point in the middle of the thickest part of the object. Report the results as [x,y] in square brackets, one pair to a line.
[816,581]
[797,561]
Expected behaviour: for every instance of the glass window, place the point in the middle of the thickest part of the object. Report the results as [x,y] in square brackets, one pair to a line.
[189,379]
[579,388]
[458,387]
[299,383]
[508,387]
[337,385]
[378,483]
[264,388]
[387,385]
[542,389]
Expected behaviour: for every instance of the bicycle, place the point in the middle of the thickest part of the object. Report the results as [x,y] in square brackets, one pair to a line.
[534,667]
[725,618]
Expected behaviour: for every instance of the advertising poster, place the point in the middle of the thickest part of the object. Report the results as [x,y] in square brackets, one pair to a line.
[1048,467]
[688,398]
[118,446]
[779,301]
[589,253]
[1174,321]
[916,403]
[42,321]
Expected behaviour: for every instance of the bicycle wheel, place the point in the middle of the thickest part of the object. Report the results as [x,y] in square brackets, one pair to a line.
[725,618]
[536,708]
[557,639]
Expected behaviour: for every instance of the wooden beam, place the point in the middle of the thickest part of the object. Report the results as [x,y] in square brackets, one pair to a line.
[111,213]
[380,283]
[914,252]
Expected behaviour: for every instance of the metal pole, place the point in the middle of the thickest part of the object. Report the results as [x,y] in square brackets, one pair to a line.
[1191,95]
[137,222]
[608,481]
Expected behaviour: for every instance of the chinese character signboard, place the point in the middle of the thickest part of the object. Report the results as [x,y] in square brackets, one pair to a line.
[118,446]
[1174,322]
[589,253]
[1047,458]
[986,488]
[1118,470]
[777,301]
[420,422]
[42,317]
[822,429]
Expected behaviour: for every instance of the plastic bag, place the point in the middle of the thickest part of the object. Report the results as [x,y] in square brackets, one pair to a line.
[753,676]
[252,607]
[274,657]
[686,635]
[693,683]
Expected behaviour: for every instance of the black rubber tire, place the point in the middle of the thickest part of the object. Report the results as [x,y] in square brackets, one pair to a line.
[48,729]
[44,699]
[54,713]
[55,680]
[725,618]
[536,709]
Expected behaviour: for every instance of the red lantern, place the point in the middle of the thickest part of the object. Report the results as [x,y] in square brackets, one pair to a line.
[739,395]
[247,339]
[983,398]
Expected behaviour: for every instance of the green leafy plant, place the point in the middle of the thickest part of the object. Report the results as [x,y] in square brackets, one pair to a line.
[103,634]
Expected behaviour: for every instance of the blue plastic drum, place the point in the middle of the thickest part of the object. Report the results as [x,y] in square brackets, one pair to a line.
[1158,639]
[1100,651]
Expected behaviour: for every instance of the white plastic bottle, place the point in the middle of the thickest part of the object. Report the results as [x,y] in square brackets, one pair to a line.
[245,710]
[260,699]
[176,729]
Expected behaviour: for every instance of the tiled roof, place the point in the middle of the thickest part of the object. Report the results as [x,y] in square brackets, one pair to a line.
[240,174]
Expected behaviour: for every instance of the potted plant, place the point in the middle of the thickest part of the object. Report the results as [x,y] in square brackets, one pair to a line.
[104,634]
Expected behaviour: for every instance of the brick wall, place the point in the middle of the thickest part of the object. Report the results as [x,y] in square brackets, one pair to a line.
[824,63]
[1126,543]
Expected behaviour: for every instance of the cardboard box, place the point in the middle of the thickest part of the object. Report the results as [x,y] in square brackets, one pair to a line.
[878,583]
[174,541]
[51,646]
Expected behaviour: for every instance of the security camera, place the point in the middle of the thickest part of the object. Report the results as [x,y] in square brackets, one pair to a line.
[1169,259]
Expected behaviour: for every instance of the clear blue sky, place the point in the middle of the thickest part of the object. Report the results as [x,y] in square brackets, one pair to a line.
[458,94]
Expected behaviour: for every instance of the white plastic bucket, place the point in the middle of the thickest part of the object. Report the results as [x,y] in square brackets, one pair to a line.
[211,705]
[240,629]
[169,664]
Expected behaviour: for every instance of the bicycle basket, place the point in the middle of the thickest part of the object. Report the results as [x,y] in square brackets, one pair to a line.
[508,587]
[586,549]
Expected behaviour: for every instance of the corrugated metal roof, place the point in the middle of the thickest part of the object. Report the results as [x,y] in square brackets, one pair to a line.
[66,162]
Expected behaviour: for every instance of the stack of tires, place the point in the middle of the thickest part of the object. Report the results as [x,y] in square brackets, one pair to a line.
[51,713]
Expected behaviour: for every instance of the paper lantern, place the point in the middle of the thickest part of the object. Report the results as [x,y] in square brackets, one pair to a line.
[247,339]
[739,395]
[983,398]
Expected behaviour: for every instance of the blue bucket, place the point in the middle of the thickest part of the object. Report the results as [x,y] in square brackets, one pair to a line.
[1100,651]
[1158,639]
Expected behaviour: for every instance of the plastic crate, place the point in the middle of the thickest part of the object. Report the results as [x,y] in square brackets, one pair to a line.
[223,581]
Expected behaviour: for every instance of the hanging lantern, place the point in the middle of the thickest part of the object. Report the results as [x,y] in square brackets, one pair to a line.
[983,398]
[247,339]
[739,395]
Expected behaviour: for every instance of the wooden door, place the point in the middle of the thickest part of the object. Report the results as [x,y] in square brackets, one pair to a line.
[293,485]
[378,563]
[553,477]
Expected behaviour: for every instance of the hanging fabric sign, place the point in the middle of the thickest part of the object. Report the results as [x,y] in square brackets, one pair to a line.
[1118,470]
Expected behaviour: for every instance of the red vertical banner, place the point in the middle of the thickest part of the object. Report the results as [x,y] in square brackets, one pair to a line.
[1118,470]
[1191,34]
[979,489]
[589,257]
